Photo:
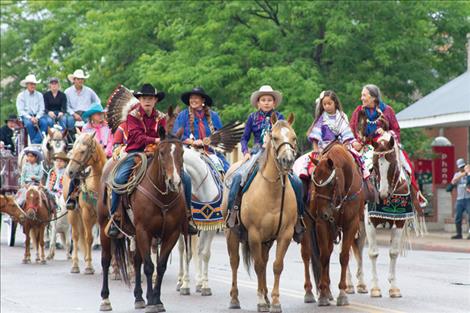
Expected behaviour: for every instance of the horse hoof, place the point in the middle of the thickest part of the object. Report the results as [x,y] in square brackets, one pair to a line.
[275,308]
[342,300]
[160,307]
[38,260]
[350,290]
[89,271]
[75,270]
[178,286]
[206,292]
[394,293]
[96,247]
[139,304]
[50,257]
[362,289]
[151,309]
[234,305]
[105,305]
[375,292]
[43,262]
[198,288]
[69,257]
[309,297]
[185,291]
[263,307]
[26,261]
[323,301]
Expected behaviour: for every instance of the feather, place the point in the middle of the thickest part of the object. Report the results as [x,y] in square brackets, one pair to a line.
[119,104]
[227,137]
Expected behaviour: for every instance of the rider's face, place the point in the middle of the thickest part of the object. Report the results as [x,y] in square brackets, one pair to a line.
[59,163]
[328,105]
[367,99]
[266,103]
[196,101]
[148,102]
[31,158]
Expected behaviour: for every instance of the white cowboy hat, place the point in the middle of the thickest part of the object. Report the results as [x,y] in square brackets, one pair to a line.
[77,74]
[31,79]
[265,90]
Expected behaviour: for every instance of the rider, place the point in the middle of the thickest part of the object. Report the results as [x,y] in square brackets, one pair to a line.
[143,122]
[97,124]
[265,100]
[377,116]
[199,122]
[31,172]
[54,184]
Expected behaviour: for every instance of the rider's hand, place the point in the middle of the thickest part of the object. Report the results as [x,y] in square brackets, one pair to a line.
[197,143]
[157,140]
[356,145]
[380,131]
[34,120]
[77,117]
[60,115]
[51,114]
[246,157]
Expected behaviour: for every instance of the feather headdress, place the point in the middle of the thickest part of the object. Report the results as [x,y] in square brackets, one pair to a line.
[119,104]
[226,138]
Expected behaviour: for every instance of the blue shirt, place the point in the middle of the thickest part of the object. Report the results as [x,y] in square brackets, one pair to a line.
[80,101]
[30,104]
[29,171]
[256,123]
[183,121]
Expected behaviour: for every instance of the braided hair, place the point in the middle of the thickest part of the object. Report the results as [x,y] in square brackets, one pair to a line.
[207,114]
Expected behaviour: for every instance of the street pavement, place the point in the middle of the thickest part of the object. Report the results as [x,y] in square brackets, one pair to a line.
[430,281]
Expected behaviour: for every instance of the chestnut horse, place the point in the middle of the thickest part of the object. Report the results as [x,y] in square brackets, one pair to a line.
[87,159]
[337,202]
[159,211]
[268,212]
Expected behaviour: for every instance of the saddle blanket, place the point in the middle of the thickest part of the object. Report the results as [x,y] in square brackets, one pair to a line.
[397,207]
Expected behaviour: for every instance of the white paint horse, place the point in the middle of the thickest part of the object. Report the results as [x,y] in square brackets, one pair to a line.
[206,190]
[60,226]
[54,142]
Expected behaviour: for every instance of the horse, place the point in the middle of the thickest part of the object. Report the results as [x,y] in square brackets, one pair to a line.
[268,213]
[206,189]
[86,154]
[60,226]
[393,185]
[158,210]
[54,142]
[337,201]
[9,206]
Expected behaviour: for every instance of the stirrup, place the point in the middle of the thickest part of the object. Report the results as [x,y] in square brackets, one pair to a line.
[111,230]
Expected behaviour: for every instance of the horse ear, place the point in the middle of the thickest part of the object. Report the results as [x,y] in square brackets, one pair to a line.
[64,133]
[315,161]
[392,142]
[93,135]
[79,132]
[170,111]
[375,144]
[330,163]
[177,110]
[291,119]
[161,133]
[180,132]
[273,118]
[49,132]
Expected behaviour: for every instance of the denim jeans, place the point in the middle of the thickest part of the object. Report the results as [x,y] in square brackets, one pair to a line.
[462,206]
[66,121]
[33,131]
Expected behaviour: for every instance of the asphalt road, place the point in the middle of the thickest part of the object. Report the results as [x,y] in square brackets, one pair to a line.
[429,281]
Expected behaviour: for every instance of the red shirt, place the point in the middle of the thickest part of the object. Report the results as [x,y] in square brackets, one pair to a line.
[143,129]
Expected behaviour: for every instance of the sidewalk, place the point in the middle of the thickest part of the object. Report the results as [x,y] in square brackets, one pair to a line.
[433,241]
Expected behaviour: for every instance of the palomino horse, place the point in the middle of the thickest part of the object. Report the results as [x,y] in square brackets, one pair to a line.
[9,206]
[158,207]
[206,190]
[393,186]
[268,213]
[337,201]
[54,142]
[86,153]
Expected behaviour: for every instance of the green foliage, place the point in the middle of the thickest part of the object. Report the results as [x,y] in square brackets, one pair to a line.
[231,48]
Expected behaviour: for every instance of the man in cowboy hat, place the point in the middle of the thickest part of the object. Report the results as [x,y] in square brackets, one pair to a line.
[30,106]
[79,96]
[6,132]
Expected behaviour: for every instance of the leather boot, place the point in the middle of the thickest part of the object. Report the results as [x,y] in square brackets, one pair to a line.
[299,229]
[459,232]
[232,219]
[111,229]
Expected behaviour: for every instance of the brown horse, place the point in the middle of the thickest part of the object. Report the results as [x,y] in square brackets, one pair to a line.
[87,159]
[158,209]
[268,212]
[9,206]
[337,201]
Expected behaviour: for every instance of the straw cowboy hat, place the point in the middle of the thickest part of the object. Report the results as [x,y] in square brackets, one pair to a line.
[196,91]
[77,74]
[30,79]
[60,155]
[95,108]
[149,90]
[265,90]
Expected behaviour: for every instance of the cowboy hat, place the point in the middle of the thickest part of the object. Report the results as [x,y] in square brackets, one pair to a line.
[30,79]
[77,74]
[11,117]
[95,108]
[460,163]
[149,90]
[265,90]
[196,91]
[60,155]
[34,151]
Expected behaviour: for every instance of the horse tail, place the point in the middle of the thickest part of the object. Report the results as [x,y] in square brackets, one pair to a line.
[120,252]
[315,253]
[246,256]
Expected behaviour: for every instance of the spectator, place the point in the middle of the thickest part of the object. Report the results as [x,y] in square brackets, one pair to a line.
[463,196]
[79,96]
[30,106]
[55,102]
[6,132]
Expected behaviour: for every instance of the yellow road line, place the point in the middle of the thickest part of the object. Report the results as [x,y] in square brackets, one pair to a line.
[299,295]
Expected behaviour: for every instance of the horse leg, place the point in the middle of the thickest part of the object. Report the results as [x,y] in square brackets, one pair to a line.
[167,245]
[394,291]
[185,288]
[204,253]
[88,223]
[278,266]
[52,241]
[41,244]
[325,242]
[66,240]
[373,254]
[27,244]
[139,302]
[233,250]
[105,263]
[305,250]
[348,238]
[73,218]
[143,240]
[358,247]
[255,247]
[265,253]
[35,235]
[181,260]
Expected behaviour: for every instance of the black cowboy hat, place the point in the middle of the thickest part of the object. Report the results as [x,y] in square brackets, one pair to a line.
[196,91]
[11,117]
[149,90]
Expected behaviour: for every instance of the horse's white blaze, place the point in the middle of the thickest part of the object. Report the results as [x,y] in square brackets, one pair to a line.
[285,138]
[176,177]
[383,169]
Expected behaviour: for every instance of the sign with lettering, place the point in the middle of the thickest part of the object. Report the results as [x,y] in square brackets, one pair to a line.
[443,164]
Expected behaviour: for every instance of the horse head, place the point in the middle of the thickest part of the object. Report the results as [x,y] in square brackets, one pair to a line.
[82,154]
[55,141]
[169,155]
[385,163]
[32,201]
[283,142]
[9,206]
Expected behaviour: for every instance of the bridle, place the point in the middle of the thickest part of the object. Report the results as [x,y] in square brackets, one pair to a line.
[396,172]
[82,164]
